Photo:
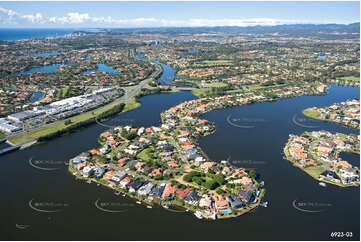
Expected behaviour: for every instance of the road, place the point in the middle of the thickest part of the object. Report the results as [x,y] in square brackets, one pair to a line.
[130,92]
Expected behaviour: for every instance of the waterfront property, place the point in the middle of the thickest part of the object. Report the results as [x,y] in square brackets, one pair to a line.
[317,153]
[169,156]
[346,113]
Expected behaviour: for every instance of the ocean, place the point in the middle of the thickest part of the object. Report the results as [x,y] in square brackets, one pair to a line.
[19,34]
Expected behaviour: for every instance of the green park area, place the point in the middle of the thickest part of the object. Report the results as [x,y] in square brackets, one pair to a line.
[309,112]
[215,84]
[350,78]
[2,135]
[64,91]
[213,63]
[314,171]
[146,154]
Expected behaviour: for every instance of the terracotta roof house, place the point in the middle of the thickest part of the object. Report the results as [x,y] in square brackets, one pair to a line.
[168,191]
[182,193]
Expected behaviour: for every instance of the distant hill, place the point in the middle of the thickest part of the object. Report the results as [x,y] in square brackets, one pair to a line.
[296,30]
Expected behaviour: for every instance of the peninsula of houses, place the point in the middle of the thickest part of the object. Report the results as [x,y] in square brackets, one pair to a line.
[317,153]
[165,166]
[346,113]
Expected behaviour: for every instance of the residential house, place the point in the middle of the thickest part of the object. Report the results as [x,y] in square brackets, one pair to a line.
[192,198]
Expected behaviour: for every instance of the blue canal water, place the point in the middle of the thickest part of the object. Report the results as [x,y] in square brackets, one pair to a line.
[102,68]
[351,158]
[192,51]
[259,148]
[321,57]
[168,72]
[54,68]
[45,69]
[36,97]
[43,54]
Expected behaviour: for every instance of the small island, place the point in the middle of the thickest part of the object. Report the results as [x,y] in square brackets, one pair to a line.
[164,165]
[317,153]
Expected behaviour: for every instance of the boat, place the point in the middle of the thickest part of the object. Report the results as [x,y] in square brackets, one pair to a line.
[187,210]
[20,226]
[322,184]
[123,194]
[149,206]
[198,215]
[139,202]
[264,204]
[117,193]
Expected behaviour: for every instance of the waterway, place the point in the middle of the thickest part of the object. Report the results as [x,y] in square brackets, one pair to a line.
[54,68]
[36,96]
[45,69]
[193,51]
[258,147]
[102,68]
[43,54]
[321,57]
[168,74]
[353,159]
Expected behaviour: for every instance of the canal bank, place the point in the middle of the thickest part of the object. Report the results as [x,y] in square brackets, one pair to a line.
[259,148]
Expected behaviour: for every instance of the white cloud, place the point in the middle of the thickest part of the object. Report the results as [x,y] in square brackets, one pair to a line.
[8,12]
[36,18]
[84,19]
[70,18]
[76,18]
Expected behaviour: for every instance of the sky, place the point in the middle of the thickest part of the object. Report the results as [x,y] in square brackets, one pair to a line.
[173,14]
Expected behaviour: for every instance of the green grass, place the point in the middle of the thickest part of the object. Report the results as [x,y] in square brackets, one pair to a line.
[59,125]
[253,87]
[212,63]
[349,78]
[314,171]
[215,84]
[217,62]
[2,135]
[200,92]
[146,154]
[235,90]
[64,91]
[310,113]
[132,104]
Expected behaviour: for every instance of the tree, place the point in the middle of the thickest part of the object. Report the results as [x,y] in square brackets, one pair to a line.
[211,184]
[219,191]
[67,122]
[219,178]
[252,174]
